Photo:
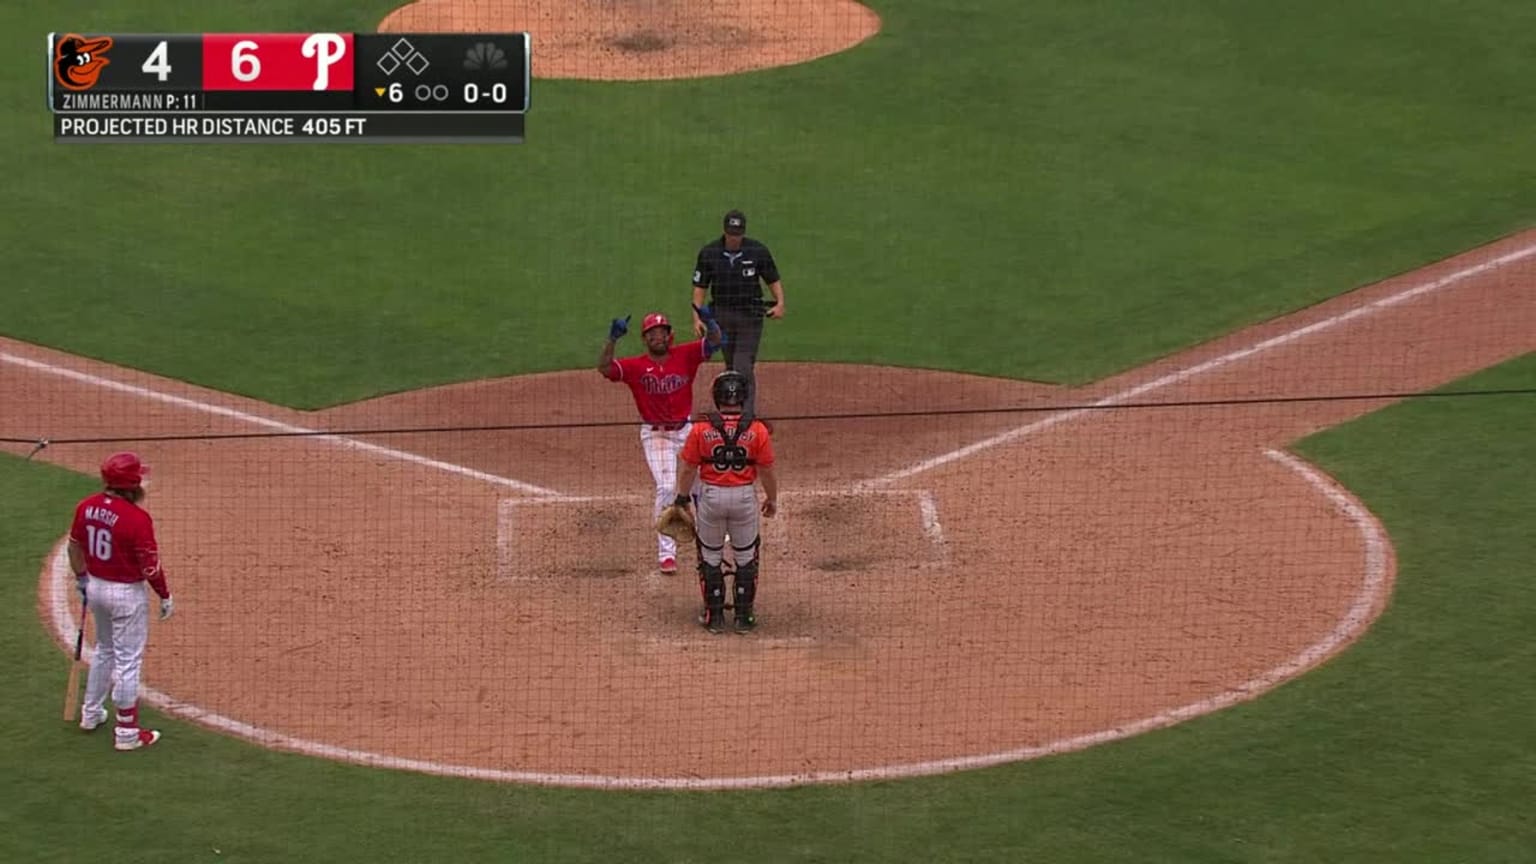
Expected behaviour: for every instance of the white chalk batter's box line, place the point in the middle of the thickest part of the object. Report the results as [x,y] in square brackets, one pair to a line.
[927,510]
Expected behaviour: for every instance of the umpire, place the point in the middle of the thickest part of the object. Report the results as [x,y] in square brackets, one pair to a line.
[733,270]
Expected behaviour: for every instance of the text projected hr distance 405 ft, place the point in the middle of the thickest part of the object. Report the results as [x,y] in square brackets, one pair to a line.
[316,86]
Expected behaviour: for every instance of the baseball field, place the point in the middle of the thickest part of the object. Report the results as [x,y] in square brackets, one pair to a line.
[1153,407]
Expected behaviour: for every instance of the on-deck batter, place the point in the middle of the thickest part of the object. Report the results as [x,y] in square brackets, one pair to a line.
[661,380]
[113,552]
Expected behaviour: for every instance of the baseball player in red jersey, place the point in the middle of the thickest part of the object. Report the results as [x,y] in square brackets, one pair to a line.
[661,380]
[112,551]
[728,452]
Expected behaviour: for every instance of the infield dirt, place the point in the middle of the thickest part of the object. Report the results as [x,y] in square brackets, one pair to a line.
[1078,575]
[652,39]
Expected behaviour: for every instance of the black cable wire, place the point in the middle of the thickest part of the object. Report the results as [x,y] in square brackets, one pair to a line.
[868,415]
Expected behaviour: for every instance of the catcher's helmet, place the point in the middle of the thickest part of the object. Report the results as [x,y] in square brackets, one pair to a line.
[123,471]
[730,389]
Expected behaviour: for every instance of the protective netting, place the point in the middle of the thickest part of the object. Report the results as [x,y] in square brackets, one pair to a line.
[964,569]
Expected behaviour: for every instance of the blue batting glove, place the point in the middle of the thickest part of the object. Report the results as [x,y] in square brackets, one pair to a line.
[706,314]
[80,582]
[618,328]
[709,351]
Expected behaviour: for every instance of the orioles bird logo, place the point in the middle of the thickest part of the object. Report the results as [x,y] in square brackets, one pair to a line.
[78,61]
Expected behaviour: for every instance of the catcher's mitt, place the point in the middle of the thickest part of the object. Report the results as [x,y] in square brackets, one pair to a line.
[676,521]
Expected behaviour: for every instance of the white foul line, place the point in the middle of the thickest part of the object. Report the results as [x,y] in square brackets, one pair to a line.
[275,425]
[1201,368]
[1373,587]
[504,537]
[1367,600]
[928,508]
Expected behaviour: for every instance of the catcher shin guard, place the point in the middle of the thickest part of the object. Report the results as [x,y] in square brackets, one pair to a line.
[712,586]
[746,589]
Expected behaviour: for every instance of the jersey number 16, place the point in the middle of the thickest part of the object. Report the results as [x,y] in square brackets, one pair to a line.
[99,542]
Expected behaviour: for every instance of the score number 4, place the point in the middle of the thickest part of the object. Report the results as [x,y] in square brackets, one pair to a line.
[326,49]
[158,63]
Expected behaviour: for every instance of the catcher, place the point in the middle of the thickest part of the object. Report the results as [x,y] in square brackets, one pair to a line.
[727,452]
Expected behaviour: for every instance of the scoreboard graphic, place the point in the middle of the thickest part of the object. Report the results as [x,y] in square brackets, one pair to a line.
[273,87]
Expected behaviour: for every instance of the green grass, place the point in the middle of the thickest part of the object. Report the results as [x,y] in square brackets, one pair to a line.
[1414,746]
[1052,191]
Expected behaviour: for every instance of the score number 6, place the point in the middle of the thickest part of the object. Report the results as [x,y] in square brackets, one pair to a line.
[243,65]
[326,48]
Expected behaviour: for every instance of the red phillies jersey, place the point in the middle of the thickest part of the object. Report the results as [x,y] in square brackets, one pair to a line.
[663,388]
[118,539]
[718,465]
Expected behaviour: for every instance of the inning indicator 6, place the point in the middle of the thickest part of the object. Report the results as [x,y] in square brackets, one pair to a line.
[496,92]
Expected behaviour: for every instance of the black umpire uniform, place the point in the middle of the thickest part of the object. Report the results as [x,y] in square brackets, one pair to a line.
[733,270]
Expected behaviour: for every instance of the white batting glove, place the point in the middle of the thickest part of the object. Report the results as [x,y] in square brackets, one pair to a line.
[167,606]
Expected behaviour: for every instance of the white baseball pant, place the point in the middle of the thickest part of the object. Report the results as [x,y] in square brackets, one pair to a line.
[727,514]
[661,448]
[121,610]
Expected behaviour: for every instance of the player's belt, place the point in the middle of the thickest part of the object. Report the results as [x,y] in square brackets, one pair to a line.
[666,427]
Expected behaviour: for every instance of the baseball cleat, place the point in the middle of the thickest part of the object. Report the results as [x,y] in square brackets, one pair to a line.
[669,566]
[713,620]
[90,722]
[746,621]
[144,738]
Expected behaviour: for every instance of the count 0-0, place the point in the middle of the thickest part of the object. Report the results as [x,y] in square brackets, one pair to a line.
[496,93]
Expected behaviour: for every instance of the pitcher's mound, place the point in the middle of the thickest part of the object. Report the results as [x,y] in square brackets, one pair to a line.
[652,39]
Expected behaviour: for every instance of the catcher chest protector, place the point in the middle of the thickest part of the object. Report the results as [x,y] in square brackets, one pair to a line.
[729,455]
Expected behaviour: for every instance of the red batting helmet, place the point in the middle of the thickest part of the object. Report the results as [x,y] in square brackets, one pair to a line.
[123,471]
[653,320]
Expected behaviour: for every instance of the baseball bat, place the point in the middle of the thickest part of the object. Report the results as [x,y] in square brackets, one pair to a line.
[72,694]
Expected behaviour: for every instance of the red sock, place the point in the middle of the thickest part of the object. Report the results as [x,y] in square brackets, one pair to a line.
[128,718]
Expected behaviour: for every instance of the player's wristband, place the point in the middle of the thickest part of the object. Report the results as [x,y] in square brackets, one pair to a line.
[681,500]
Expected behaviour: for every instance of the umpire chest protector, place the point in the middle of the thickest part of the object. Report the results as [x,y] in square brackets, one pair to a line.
[735,278]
